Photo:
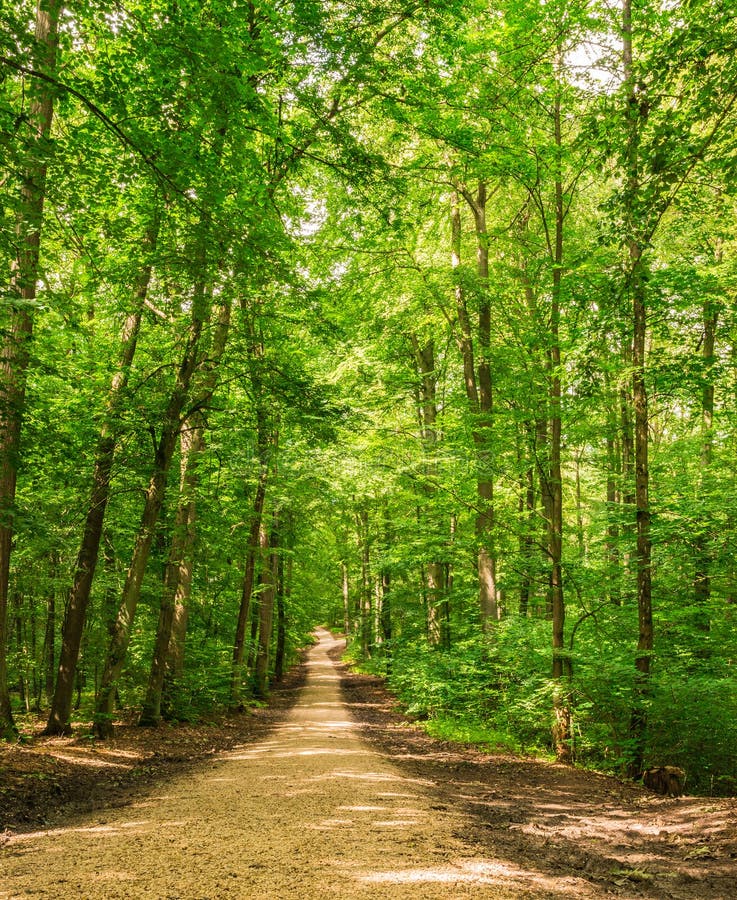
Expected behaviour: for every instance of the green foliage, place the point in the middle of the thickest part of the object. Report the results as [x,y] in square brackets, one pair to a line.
[501,694]
[702,744]
[300,162]
[472,731]
[204,687]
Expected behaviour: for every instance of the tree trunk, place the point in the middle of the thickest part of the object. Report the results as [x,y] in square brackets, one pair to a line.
[280,637]
[528,527]
[283,593]
[541,433]
[178,576]
[346,599]
[544,468]
[435,601]
[18,622]
[255,620]
[79,597]
[266,609]
[627,432]
[642,501]
[580,530]
[436,598]
[175,655]
[178,573]
[636,113]
[386,619]
[612,497]
[14,353]
[488,590]
[561,664]
[365,601]
[49,648]
[266,443]
[477,380]
[120,634]
[48,652]
[702,576]
[255,529]
[181,561]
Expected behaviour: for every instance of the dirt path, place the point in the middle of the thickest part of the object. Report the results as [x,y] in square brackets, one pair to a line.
[314,810]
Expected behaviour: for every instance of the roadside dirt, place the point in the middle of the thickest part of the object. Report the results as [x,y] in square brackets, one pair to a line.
[338,796]
[44,781]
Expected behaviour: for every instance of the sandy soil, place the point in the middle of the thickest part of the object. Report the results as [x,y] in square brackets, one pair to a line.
[321,806]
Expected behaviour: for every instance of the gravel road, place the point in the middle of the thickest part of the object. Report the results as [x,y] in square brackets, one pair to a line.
[311,811]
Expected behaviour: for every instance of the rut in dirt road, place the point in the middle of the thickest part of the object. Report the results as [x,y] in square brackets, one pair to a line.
[311,811]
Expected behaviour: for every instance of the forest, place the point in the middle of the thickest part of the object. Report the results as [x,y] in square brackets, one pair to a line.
[412,319]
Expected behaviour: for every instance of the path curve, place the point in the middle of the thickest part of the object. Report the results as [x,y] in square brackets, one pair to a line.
[312,811]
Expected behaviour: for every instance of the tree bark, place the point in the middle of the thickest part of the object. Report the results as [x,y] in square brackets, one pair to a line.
[84,572]
[49,644]
[614,471]
[627,432]
[346,598]
[181,564]
[538,440]
[283,593]
[386,619]
[527,531]
[249,571]
[436,597]
[561,664]
[488,589]
[49,655]
[263,442]
[636,114]
[478,383]
[178,576]
[18,627]
[362,522]
[14,353]
[702,575]
[175,655]
[266,608]
[120,633]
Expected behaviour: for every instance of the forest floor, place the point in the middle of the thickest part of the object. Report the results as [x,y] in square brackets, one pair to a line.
[330,792]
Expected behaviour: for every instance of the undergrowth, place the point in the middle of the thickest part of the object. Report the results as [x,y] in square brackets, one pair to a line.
[499,698]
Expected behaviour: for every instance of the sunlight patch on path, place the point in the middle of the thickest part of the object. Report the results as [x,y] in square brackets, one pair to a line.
[474,872]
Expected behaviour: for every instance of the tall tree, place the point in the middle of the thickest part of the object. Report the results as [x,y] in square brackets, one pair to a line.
[178,575]
[636,116]
[269,548]
[154,498]
[266,438]
[79,597]
[14,353]
[438,607]
[475,349]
